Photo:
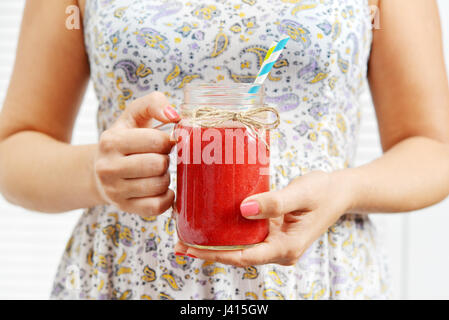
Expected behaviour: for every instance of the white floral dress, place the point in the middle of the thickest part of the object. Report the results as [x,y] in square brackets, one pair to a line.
[138,46]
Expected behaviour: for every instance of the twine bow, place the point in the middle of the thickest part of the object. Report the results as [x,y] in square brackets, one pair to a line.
[253,119]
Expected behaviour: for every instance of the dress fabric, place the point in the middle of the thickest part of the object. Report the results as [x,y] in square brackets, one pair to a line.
[139,46]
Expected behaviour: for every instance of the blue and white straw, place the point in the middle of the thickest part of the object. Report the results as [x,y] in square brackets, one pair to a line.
[271,57]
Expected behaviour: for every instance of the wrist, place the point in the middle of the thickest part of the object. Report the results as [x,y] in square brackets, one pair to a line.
[346,184]
[93,185]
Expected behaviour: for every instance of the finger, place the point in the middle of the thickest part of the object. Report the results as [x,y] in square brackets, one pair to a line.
[152,106]
[231,257]
[280,249]
[274,204]
[262,253]
[181,248]
[142,166]
[143,140]
[145,187]
[150,206]
[273,249]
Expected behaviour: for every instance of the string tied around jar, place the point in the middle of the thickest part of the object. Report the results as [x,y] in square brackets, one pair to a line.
[253,119]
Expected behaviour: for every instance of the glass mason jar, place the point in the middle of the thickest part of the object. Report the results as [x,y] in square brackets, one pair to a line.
[222,158]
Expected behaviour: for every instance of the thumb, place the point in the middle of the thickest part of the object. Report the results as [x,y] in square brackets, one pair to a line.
[152,106]
[271,204]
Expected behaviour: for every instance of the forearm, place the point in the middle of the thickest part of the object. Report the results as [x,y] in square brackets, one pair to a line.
[42,174]
[411,175]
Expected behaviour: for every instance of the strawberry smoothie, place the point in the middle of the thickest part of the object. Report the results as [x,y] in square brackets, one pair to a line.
[217,169]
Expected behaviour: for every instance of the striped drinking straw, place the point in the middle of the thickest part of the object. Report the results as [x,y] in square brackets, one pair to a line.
[270,59]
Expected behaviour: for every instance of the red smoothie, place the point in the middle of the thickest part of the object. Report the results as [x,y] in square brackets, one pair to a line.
[213,178]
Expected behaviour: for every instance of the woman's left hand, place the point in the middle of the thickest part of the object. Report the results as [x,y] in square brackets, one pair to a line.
[299,214]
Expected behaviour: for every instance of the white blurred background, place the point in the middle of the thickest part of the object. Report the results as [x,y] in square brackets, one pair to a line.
[31,244]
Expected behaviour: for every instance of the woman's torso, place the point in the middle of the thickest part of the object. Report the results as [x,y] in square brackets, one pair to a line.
[140,46]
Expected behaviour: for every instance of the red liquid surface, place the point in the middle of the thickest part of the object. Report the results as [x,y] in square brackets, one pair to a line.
[209,195]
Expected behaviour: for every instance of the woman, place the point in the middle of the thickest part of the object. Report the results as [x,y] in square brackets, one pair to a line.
[140,54]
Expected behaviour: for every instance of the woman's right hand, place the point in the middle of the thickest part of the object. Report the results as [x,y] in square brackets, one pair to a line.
[131,164]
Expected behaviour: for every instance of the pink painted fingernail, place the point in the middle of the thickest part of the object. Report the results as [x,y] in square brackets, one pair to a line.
[249,208]
[171,113]
[191,256]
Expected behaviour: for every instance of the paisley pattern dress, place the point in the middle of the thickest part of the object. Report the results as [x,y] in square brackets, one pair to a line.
[138,46]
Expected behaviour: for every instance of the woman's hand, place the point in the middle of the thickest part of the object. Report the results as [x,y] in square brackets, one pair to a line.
[298,215]
[131,165]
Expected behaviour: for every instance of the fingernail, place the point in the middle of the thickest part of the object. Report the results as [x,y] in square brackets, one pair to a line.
[179,254]
[191,256]
[249,208]
[171,113]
